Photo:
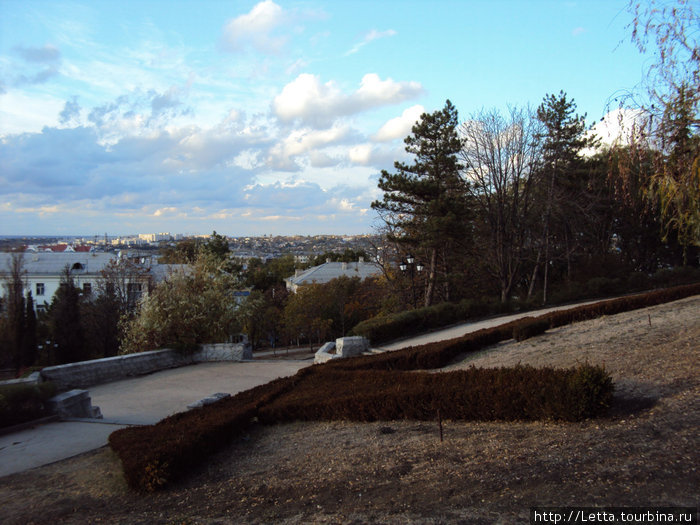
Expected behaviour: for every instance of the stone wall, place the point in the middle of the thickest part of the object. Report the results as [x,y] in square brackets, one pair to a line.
[98,371]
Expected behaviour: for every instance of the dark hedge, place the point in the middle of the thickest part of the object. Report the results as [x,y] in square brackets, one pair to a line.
[385,387]
[22,403]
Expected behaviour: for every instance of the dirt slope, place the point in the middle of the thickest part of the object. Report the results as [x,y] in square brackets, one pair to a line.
[645,452]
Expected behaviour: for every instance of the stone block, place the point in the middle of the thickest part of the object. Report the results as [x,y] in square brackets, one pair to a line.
[351,346]
[74,404]
[209,400]
[325,353]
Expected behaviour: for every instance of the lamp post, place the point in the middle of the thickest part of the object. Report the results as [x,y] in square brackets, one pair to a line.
[414,266]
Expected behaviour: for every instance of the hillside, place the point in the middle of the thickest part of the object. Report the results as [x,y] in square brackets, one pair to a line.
[645,452]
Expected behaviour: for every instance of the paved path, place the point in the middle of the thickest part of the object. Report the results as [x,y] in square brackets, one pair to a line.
[148,399]
[142,400]
[456,331]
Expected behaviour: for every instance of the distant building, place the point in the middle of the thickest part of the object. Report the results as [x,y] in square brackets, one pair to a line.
[43,271]
[154,237]
[60,248]
[328,271]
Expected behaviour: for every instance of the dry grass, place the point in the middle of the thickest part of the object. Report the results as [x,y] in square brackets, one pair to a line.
[644,453]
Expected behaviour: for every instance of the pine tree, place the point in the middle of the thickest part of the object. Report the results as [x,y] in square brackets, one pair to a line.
[424,205]
[29,337]
[563,139]
[64,319]
[14,304]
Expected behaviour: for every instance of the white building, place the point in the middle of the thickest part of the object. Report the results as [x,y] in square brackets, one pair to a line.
[332,270]
[43,271]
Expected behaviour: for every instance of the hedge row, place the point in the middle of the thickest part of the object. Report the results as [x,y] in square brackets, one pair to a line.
[485,394]
[21,403]
[384,387]
[154,455]
[440,354]
[403,324]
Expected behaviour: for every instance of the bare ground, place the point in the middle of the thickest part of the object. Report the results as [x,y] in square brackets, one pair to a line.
[645,452]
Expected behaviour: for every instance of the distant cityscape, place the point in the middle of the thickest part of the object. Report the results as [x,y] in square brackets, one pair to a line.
[265,247]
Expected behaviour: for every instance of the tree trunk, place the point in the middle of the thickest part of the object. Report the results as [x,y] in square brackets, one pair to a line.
[546,268]
[533,279]
[430,291]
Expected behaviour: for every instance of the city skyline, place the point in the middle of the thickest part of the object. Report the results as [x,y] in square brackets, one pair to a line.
[253,118]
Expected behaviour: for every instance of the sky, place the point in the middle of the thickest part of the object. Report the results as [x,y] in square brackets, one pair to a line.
[265,118]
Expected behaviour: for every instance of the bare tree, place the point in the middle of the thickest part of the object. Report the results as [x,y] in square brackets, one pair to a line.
[500,157]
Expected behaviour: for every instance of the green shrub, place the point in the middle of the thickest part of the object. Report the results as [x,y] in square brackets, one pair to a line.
[410,322]
[24,402]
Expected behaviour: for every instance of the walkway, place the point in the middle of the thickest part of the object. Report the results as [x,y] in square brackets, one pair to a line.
[456,331]
[148,399]
[141,400]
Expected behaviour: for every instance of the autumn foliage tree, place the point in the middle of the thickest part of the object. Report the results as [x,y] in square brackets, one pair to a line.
[187,309]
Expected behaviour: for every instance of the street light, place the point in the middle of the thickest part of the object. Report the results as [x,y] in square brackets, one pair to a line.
[411,264]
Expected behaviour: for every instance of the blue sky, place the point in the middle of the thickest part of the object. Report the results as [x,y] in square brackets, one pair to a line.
[254,118]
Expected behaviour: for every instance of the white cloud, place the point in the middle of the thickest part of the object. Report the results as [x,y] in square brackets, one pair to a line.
[399,127]
[303,140]
[317,104]
[360,154]
[170,210]
[617,127]
[21,112]
[369,37]
[256,29]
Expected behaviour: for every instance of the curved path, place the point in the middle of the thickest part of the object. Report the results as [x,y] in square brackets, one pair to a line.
[148,399]
[459,330]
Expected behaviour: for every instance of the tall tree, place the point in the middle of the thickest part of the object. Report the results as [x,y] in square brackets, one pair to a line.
[65,321]
[563,138]
[676,179]
[500,156]
[217,246]
[29,337]
[670,97]
[185,310]
[424,204]
[15,280]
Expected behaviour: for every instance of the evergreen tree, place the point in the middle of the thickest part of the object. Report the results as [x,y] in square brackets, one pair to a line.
[217,246]
[64,319]
[100,319]
[29,339]
[563,138]
[15,310]
[424,205]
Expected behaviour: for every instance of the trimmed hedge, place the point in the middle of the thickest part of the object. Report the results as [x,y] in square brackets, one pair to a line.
[24,402]
[385,387]
[485,394]
[410,322]
[154,455]
[403,324]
